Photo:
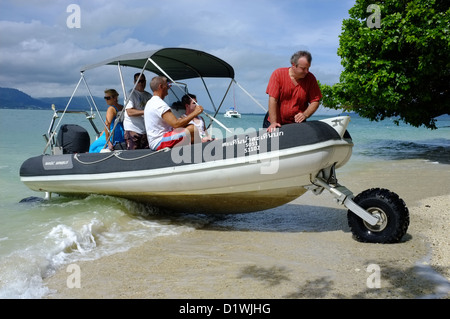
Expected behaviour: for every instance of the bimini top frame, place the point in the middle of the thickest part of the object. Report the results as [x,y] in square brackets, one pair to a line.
[177,63]
[180,64]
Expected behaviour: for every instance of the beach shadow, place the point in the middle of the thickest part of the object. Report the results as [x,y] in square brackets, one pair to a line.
[414,282]
[286,218]
[315,289]
[418,281]
[272,276]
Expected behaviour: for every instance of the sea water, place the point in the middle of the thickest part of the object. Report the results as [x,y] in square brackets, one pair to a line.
[38,237]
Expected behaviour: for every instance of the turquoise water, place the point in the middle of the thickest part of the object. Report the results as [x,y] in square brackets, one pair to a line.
[37,237]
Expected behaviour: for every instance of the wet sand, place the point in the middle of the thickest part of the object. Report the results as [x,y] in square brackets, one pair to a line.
[300,250]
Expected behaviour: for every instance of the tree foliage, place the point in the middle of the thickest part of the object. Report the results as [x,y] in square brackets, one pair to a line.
[400,68]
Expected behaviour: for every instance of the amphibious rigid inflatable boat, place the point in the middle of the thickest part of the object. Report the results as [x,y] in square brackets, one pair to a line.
[244,172]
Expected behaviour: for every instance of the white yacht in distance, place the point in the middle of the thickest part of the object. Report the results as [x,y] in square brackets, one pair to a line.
[232,113]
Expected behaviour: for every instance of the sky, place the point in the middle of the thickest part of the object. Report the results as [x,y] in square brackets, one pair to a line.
[44,44]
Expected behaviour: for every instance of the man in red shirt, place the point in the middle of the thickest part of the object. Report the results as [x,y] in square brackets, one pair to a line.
[294,94]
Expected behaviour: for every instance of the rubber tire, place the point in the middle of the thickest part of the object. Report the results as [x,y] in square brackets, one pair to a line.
[390,206]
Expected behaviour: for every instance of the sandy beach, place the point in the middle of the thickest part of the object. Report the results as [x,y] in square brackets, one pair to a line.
[302,250]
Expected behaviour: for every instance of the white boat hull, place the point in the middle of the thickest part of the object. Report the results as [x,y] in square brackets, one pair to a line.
[232,114]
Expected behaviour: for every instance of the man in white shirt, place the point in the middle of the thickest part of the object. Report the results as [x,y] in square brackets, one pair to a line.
[164,129]
[133,123]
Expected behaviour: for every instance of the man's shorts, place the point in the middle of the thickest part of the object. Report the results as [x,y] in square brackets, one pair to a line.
[170,139]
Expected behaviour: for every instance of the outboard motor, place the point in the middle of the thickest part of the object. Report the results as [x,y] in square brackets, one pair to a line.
[73,138]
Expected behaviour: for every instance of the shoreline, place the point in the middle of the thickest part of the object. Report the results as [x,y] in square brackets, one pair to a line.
[301,250]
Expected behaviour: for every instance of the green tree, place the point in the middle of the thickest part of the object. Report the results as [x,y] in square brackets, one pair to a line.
[398,68]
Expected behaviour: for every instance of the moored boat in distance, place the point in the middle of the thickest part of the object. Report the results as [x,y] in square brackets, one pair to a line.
[232,113]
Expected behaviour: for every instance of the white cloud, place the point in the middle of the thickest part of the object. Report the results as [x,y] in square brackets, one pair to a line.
[41,56]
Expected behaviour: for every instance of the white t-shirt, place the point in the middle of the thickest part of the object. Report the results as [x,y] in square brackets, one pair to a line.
[137,101]
[199,124]
[156,126]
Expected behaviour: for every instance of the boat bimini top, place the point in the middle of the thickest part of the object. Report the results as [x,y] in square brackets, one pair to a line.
[174,63]
[180,63]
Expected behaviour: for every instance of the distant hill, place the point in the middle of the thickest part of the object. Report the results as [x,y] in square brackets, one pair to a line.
[15,99]
[77,103]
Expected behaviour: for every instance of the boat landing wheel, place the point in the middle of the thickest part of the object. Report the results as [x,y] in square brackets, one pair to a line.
[392,214]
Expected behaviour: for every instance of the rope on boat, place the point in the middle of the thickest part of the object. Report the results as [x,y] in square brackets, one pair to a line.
[117,155]
[166,149]
[75,157]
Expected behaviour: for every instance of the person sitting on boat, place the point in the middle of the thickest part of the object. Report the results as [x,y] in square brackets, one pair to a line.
[135,134]
[294,94]
[113,133]
[164,129]
[189,101]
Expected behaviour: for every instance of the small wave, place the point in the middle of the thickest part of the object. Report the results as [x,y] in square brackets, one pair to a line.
[78,230]
[436,150]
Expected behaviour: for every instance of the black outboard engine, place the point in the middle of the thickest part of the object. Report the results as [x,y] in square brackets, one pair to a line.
[73,138]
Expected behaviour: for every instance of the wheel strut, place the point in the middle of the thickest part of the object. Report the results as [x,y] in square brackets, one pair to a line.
[326,179]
